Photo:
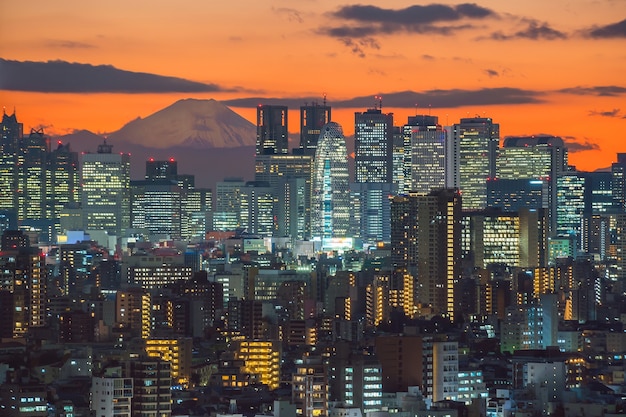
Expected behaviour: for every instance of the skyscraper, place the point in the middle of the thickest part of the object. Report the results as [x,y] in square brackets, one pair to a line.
[156,205]
[373,146]
[106,190]
[427,153]
[618,183]
[227,201]
[426,243]
[472,159]
[257,208]
[534,158]
[161,170]
[272,136]
[371,211]
[63,182]
[32,167]
[330,209]
[573,204]
[22,286]
[312,118]
[38,181]
[11,133]
[290,177]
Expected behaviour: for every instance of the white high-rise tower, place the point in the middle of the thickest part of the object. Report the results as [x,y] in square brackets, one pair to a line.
[331,190]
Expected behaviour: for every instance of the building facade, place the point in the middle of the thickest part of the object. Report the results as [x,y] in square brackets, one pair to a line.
[330,210]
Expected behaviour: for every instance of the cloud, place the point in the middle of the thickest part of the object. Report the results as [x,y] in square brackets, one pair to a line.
[533,31]
[67,77]
[407,99]
[580,145]
[373,20]
[293,15]
[599,90]
[491,73]
[614,30]
[412,16]
[358,47]
[607,113]
[67,44]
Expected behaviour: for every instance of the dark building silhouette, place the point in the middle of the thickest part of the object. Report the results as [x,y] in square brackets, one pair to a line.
[272,136]
[312,118]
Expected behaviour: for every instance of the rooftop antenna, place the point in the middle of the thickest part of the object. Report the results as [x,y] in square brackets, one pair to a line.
[429,107]
[378,105]
[416,109]
[324,95]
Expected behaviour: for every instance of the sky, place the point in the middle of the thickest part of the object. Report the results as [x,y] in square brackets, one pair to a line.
[535,67]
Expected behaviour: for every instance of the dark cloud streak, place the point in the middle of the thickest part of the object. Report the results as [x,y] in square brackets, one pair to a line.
[67,77]
[599,90]
[407,99]
[67,44]
[575,145]
[413,16]
[373,20]
[533,31]
[614,30]
[607,113]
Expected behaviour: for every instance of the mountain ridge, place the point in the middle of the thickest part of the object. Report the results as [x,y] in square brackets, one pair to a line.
[203,136]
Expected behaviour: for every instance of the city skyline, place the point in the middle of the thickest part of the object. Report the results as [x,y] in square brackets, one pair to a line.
[553,68]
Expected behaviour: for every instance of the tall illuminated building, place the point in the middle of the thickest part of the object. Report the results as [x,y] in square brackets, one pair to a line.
[427,153]
[310,390]
[426,245]
[11,133]
[260,358]
[32,166]
[312,118]
[515,194]
[573,204]
[227,204]
[38,181]
[161,170]
[618,182]
[330,209]
[22,286]
[177,352]
[272,136]
[472,159]
[373,146]
[132,311]
[371,211]
[601,186]
[512,238]
[63,180]
[290,177]
[257,208]
[106,190]
[534,158]
[400,157]
[196,209]
[156,207]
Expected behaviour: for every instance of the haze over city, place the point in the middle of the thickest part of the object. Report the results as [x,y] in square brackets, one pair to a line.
[534,67]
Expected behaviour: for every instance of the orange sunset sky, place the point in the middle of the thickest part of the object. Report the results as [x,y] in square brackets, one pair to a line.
[553,67]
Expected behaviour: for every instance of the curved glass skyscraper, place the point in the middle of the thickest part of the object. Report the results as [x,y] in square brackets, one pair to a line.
[331,190]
